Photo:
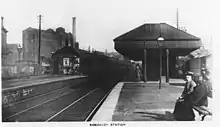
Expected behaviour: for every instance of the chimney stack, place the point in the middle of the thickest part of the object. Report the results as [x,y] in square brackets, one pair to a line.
[77,45]
[74,31]
[2,21]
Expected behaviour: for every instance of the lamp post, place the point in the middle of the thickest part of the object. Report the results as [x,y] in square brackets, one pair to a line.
[160,43]
[19,48]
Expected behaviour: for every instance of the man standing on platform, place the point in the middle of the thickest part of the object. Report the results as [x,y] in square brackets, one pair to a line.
[138,73]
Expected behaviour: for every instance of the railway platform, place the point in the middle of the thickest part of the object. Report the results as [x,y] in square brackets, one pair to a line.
[139,101]
[14,83]
[16,90]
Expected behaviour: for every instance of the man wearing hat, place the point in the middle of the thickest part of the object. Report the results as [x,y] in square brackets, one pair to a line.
[183,109]
[197,96]
[189,85]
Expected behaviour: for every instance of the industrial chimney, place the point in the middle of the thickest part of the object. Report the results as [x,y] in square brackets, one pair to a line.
[74,31]
[2,22]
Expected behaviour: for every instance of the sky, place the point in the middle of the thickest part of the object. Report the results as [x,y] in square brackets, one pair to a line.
[98,22]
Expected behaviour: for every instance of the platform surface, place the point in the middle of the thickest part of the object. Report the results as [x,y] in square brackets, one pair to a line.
[133,101]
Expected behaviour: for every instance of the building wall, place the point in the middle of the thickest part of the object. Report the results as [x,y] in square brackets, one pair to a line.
[29,37]
[195,65]
[4,44]
[12,57]
[51,41]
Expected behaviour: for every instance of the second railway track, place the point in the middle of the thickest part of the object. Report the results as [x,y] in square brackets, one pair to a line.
[65,104]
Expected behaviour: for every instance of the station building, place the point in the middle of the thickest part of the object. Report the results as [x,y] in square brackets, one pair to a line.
[145,42]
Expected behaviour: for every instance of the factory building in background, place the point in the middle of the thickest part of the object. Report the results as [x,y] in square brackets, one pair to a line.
[51,41]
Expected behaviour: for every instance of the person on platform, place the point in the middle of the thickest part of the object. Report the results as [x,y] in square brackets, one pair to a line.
[183,110]
[207,81]
[189,85]
[138,73]
[199,98]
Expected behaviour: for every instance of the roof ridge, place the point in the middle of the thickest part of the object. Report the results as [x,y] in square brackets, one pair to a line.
[183,31]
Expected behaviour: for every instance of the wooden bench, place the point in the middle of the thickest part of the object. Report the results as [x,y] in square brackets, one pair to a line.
[202,110]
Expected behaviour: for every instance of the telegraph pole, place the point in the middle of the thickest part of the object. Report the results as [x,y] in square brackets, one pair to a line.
[39,40]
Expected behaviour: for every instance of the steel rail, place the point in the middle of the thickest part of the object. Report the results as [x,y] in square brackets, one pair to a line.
[92,113]
[40,104]
[70,105]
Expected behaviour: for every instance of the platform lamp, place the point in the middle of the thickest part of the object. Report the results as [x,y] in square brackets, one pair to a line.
[19,48]
[160,43]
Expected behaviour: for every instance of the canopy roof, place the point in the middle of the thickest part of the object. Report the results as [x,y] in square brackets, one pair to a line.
[66,52]
[201,52]
[145,36]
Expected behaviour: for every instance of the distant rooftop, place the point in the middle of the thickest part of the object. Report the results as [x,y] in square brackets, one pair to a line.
[12,46]
[50,30]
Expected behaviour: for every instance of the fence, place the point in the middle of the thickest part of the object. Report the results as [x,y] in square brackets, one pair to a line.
[18,70]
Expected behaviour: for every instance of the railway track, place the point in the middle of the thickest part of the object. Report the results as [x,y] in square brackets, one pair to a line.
[65,104]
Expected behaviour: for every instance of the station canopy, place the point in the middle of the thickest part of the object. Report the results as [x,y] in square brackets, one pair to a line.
[199,53]
[146,36]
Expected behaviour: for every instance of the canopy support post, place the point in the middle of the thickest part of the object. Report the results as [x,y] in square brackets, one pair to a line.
[167,68]
[145,65]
